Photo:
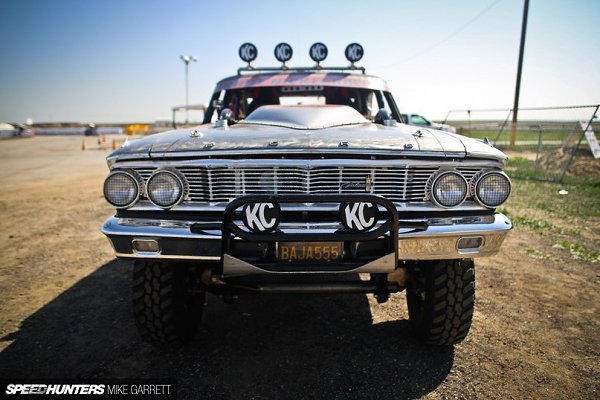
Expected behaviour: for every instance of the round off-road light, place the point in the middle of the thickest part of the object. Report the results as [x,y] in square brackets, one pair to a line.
[283,52]
[318,52]
[449,189]
[261,217]
[122,188]
[354,52]
[492,189]
[165,188]
[248,52]
[359,217]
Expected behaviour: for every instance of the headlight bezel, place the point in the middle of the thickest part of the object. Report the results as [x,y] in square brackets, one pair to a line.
[484,175]
[435,182]
[179,178]
[138,185]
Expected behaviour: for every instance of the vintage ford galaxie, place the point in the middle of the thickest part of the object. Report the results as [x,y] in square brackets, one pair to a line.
[305,181]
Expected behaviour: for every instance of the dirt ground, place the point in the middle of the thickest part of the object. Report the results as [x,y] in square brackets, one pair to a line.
[65,312]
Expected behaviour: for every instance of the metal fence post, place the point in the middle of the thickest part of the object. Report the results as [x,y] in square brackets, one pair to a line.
[539,148]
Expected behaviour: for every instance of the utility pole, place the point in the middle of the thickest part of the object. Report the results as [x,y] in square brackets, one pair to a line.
[513,130]
[187,60]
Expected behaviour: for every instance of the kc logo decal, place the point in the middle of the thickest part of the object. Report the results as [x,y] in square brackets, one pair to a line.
[261,217]
[248,52]
[354,52]
[359,216]
[318,52]
[283,52]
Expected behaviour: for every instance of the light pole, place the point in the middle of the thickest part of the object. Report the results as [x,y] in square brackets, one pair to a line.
[513,130]
[187,60]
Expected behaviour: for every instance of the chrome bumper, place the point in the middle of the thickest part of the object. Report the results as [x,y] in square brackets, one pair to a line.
[178,242]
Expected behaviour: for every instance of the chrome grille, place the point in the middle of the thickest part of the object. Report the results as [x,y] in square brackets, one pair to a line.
[398,184]
[468,173]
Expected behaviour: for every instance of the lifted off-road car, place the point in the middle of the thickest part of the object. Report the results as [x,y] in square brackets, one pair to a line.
[305,180]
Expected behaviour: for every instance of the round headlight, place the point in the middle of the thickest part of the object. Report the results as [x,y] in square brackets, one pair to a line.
[121,189]
[492,189]
[165,188]
[449,189]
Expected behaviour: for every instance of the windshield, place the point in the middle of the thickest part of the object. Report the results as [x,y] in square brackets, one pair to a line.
[244,101]
[416,119]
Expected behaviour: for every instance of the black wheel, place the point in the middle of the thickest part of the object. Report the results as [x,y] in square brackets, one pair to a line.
[441,298]
[167,302]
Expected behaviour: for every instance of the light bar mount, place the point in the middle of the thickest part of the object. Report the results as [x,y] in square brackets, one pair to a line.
[251,69]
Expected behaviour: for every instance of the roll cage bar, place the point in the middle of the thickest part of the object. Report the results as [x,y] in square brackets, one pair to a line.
[274,76]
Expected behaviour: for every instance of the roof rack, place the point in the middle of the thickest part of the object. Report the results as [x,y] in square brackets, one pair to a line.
[250,69]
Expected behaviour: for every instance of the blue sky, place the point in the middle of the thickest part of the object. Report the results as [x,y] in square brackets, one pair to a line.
[74,60]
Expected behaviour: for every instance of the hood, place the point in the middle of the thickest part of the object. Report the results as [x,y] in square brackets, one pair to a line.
[443,127]
[286,129]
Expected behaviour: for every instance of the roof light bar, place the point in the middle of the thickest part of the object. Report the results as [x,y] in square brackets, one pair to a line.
[283,52]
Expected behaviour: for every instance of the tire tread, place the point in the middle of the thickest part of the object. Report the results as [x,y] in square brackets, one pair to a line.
[155,295]
[449,302]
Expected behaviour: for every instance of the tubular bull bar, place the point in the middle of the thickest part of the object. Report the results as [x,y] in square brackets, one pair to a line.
[378,284]
[387,230]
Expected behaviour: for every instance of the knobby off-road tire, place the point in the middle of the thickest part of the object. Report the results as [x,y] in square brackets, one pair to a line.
[167,302]
[441,300]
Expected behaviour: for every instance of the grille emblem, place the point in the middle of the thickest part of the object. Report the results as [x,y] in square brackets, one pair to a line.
[353,185]
[366,186]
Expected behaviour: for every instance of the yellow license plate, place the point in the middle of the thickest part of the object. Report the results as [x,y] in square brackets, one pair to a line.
[310,251]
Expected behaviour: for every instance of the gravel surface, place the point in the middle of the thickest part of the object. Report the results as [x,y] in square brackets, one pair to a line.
[65,312]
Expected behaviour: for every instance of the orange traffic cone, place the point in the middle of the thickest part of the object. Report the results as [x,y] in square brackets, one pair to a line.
[83,145]
[114,147]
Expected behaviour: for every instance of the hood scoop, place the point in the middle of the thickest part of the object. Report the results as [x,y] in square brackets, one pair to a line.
[305,117]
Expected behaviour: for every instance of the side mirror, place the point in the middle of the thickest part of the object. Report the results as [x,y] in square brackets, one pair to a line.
[384,117]
[226,115]
[225,119]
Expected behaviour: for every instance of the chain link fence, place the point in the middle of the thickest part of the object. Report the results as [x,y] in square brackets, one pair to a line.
[548,143]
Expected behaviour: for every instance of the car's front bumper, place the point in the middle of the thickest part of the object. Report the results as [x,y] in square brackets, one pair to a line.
[177,241]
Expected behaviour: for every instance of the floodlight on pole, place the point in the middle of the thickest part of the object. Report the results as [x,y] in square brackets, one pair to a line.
[187,60]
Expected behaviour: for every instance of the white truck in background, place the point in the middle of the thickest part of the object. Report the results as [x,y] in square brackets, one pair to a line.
[419,120]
